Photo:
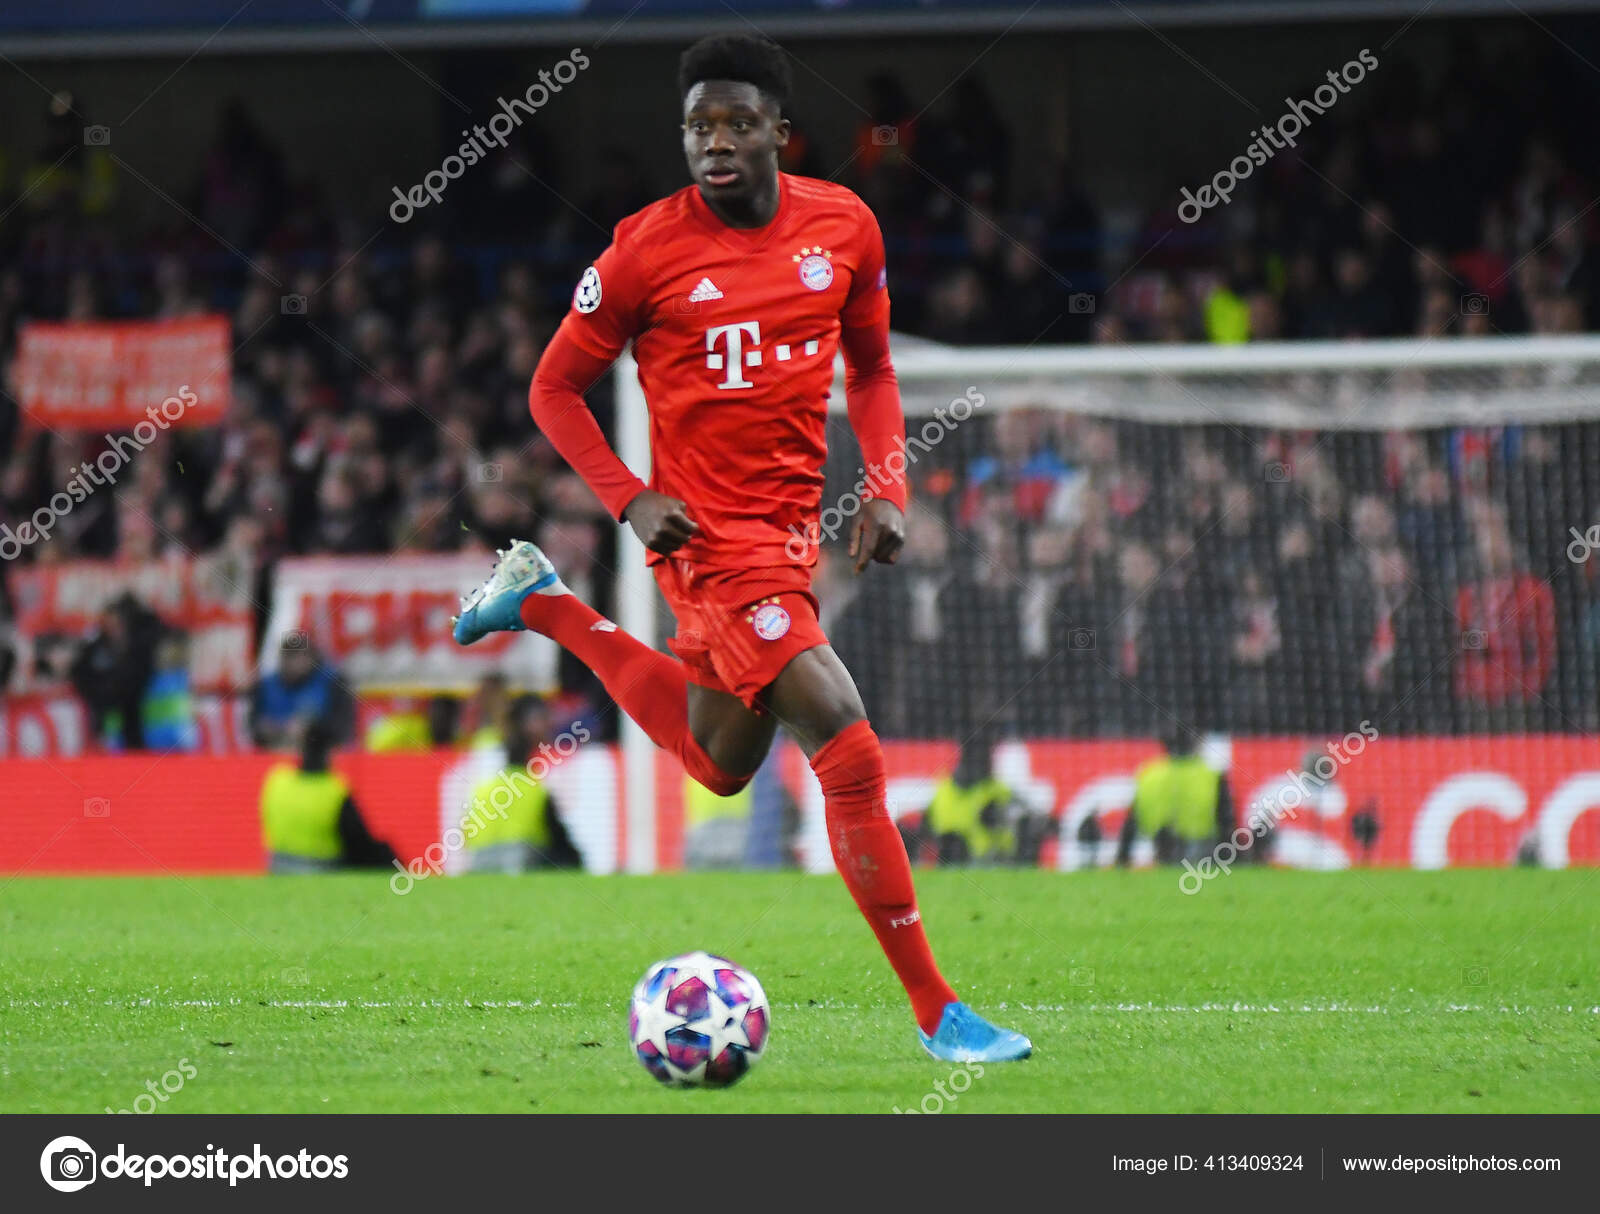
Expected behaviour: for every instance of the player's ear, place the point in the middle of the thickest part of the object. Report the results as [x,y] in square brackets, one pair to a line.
[780,132]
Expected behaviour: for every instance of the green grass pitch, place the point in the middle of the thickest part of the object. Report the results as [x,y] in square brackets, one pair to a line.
[1268,991]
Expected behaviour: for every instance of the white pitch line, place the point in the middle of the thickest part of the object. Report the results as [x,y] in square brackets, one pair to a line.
[131,1004]
[1327,1009]
[1178,1009]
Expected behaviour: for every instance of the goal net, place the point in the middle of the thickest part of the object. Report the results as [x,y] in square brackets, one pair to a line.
[1272,552]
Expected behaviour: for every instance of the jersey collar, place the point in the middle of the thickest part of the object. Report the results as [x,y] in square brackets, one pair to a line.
[741,237]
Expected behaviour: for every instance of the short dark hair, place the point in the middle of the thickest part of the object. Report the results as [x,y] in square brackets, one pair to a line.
[1180,738]
[741,57]
[317,740]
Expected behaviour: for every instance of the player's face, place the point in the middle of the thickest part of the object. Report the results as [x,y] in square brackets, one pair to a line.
[731,137]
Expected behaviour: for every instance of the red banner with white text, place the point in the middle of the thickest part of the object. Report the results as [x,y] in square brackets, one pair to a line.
[118,375]
[385,623]
[58,605]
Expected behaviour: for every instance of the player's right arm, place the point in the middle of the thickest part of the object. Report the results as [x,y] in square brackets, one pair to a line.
[608,309]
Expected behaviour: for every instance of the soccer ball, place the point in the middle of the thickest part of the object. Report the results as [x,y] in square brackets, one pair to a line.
[698,1021]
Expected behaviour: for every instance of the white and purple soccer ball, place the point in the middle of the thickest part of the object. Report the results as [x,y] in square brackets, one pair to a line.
[698,1021]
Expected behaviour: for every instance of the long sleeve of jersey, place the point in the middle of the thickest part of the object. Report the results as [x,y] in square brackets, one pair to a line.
[566,370]
[872,398]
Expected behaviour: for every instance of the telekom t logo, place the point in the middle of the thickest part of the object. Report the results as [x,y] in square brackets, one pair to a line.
[734,357]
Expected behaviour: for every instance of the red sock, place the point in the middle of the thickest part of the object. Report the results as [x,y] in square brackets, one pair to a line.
[872,860]
[651,687]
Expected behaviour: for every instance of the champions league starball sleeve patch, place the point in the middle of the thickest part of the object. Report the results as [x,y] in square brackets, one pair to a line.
[587,296]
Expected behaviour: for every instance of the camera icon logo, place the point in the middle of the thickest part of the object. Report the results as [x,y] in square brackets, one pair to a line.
[67,1164]
[1081,975]
[1080,303]
[489,474]
[885,136]
[96,136]
[1474,304]
[96,807]
[1276,473]
[1081,638]
[292,305]
[1475,975]
[1474,638]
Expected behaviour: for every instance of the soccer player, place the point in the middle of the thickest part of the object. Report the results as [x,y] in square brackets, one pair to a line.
[736,292]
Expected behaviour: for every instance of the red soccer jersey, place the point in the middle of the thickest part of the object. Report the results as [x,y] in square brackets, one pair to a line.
[735,331]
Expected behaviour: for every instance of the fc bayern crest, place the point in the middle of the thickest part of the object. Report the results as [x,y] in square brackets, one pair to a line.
[816,270]
[770,621]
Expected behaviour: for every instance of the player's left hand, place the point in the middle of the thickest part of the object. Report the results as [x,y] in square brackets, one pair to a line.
[879,534]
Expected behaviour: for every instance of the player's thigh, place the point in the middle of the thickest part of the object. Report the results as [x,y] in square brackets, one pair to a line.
[815,698]
[736,737]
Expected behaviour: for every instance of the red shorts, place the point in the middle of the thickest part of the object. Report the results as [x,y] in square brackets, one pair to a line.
[738,628]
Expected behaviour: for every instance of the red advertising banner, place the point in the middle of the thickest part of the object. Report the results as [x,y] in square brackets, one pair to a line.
[1478,801]
[138,814]
[193,594]
[119,375]
[156,814]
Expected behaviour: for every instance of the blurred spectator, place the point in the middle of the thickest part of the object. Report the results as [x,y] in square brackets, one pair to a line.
[1180,803]
[416,730]
[1256,648]
[1506,619]
[486,712]
[309,819]
[167,711]
[976,818]
[514,824]
[305,688]
[1405,643]
[113,669]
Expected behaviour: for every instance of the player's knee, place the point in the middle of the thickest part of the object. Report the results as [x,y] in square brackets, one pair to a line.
[724,784]
[716,776]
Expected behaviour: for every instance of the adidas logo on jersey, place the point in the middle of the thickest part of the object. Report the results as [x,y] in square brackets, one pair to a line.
[706,290]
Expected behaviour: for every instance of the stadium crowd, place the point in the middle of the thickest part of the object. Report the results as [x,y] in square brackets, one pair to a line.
[379,405]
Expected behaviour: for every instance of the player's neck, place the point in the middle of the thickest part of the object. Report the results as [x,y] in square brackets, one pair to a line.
[755,211]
